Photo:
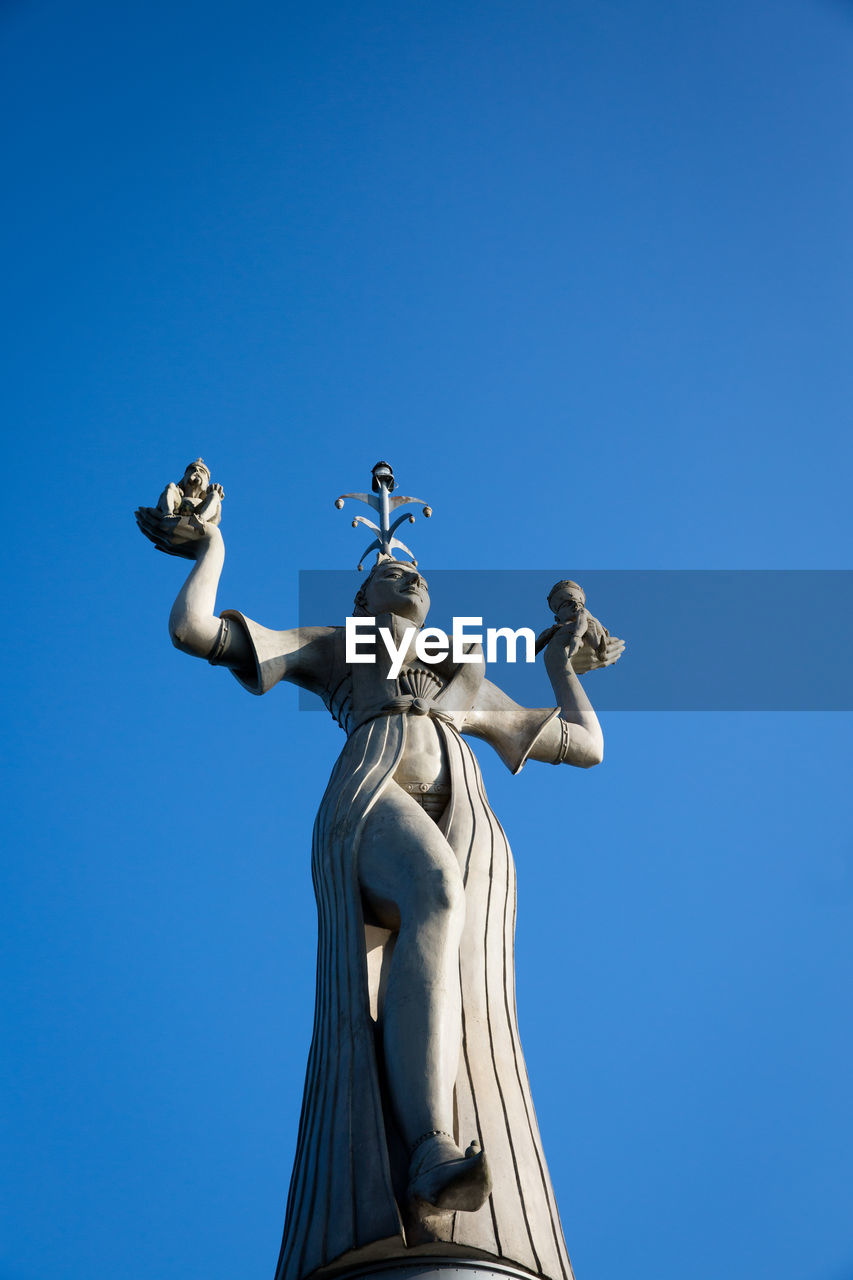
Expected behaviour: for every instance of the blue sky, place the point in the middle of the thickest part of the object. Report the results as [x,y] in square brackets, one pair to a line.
[582,272]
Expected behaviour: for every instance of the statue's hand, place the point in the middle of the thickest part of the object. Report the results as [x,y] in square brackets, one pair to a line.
[545,636]
[589,657]
[176,535]
[595,648]
[569,635]
[594,632]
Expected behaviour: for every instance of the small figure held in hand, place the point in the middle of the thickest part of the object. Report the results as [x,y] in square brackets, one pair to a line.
[184,514]
[588,643]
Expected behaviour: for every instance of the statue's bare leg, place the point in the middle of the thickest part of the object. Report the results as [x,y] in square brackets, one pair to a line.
[410,879]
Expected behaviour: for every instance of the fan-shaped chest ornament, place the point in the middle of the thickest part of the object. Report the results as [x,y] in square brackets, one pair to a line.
[420,683]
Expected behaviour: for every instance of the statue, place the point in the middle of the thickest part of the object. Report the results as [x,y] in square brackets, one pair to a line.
[182,510]
[568,601]
[417,1135]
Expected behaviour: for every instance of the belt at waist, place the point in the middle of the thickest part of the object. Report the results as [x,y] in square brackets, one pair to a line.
[426,788]
[405,705]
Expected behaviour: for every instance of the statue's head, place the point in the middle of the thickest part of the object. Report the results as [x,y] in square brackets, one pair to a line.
[196,479]
[566,598]
[393,586]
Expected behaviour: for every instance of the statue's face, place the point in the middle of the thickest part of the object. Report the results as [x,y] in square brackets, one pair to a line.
[195,480]
[566,604]
[398,588]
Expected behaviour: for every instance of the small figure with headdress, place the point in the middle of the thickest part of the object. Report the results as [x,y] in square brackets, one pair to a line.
[588,643]
[184,513]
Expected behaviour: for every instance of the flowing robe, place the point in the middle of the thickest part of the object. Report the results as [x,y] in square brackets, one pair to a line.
[347,1201]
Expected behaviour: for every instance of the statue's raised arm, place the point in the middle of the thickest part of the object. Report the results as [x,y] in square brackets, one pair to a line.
[569,733]
[185,523]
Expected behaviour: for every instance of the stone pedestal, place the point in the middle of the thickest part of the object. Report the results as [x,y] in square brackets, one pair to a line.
[426,1267]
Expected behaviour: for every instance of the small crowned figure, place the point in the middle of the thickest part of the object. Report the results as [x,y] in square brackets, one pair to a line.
[178,521]
[588,643]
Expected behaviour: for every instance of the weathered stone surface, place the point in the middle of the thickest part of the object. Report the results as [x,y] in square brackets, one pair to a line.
[426,1266]
[183,509]
[417,1131]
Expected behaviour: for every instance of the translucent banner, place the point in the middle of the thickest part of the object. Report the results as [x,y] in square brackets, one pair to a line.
[696,640]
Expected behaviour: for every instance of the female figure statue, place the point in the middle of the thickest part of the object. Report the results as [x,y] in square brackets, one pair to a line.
[417,1129]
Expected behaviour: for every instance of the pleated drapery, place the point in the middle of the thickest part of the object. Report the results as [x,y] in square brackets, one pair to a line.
[347,1194]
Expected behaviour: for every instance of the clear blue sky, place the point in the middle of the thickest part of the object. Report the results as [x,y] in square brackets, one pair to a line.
[582,272]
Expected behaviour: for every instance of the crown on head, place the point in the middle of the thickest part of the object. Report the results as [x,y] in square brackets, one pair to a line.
[567,587]
[384,544]
[199,462]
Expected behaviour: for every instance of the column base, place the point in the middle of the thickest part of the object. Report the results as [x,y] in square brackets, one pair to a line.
[427,1266]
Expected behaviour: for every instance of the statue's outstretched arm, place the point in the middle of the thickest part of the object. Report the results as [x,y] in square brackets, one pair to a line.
[300,655]
[573,737]
[193,624]
[567,734]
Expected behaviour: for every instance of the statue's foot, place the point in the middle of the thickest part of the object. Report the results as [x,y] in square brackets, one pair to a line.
[445,1179]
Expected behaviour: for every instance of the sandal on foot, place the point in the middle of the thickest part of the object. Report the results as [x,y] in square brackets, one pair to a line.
[460,1183]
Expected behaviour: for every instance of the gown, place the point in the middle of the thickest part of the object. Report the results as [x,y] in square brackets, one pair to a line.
[347,1203]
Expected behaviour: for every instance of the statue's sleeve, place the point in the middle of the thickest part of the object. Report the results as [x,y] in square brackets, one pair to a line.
[303,655]
[511,729]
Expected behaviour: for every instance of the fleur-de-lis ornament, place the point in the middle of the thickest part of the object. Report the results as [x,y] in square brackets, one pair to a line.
[383,503]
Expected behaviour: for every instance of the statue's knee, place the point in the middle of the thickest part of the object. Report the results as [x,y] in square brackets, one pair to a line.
[441,894]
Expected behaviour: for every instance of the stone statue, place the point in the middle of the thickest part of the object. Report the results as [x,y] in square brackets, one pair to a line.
[417,1136]
[588,643]
[182,510]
